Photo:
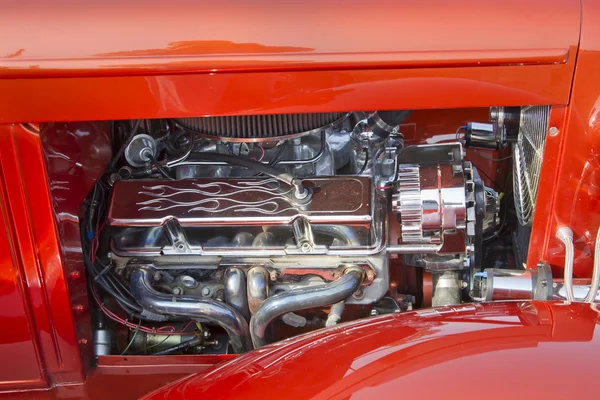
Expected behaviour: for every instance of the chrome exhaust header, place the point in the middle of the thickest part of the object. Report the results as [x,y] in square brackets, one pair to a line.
[303,298]
[201,309]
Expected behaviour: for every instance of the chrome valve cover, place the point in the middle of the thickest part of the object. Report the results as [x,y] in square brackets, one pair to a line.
[197,215]
[210,224]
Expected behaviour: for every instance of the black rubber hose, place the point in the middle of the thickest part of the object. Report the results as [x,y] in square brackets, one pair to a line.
[119,154]
[160,169]
[394,118]
[383,123]
[364,166]
[245,163]
[197,341]
[111,286]
[279,154]
[276,173]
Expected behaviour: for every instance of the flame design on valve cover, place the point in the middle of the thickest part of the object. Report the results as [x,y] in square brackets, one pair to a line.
[220,201]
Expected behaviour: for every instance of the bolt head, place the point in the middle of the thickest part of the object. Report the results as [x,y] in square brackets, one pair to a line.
[370,275]
[177,291]
[359,294]
[553,131]
[206,292]
[188,281]
[113,178]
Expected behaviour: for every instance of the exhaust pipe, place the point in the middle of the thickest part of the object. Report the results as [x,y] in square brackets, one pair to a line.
[258,287]
[196,308]
[301,299]
[235,291]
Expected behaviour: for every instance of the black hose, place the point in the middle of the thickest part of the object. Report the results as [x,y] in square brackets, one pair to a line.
[98,271]
[177,140]
[109,286]
[364,166]
[143,172]
[196,341]
[124,302]
[245,163]
[383,123]
[119,154]
[279,154]
[300,192]
[394,118]
[160,169]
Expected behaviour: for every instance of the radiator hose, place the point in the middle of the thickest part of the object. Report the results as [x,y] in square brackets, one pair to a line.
[383,123]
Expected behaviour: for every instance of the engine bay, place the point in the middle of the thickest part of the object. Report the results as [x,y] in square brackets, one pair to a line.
[219,235]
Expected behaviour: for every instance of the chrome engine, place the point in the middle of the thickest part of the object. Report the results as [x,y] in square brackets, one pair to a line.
[235,228]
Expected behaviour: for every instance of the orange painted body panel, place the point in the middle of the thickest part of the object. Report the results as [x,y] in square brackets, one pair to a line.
[185,95]
[570,186]
[147,37]
[17,342]
[37,275]
[118,378]
[189,60]
[442,353]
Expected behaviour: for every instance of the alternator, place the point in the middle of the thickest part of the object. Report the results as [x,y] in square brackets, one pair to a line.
[439,199]
[431,203]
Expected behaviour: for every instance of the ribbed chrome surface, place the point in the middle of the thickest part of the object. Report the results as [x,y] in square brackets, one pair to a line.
[408,203]
[528,154]
[260,127]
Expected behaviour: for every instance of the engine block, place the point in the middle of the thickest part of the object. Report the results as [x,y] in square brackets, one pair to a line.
[238,233]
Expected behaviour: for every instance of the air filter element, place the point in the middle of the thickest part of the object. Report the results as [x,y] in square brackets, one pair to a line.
[255,128]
